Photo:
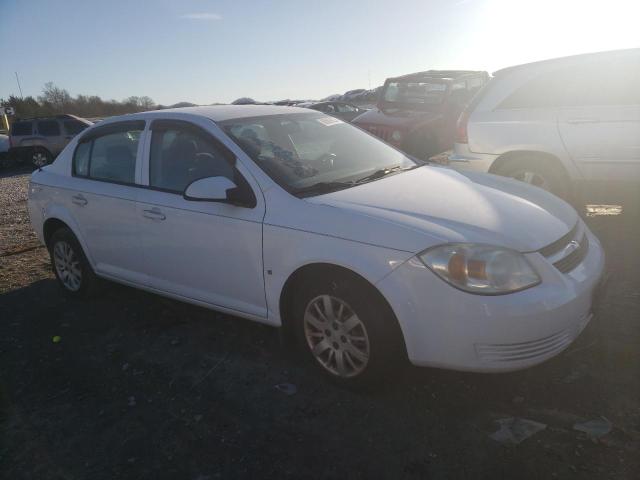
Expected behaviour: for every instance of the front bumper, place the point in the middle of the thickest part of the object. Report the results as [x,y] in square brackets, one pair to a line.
[448,328]
[464,159]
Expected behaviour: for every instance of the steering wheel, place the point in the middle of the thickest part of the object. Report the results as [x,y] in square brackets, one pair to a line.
[324,161]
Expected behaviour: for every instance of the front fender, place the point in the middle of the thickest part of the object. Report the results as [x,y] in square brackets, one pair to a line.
[286,250]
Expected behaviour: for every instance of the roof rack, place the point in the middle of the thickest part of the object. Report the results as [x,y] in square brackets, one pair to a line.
[60,116]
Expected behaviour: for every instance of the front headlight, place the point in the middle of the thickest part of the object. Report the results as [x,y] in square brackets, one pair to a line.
[481,269]
[396,136]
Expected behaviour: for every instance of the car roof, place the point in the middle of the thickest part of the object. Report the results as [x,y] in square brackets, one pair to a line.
[64,116]
[569,59]
[220,113]
[439,74]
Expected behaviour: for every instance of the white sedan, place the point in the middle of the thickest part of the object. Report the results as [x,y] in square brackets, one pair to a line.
[295,219]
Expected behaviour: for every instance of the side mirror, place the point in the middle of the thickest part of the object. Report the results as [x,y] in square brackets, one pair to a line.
[209,189]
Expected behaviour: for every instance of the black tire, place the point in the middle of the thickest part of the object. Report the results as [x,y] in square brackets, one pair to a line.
[421,146]
[543,169]
[40,157]
[76,261]
[385,345]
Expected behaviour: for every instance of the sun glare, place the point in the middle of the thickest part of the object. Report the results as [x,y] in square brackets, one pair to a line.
[513,32]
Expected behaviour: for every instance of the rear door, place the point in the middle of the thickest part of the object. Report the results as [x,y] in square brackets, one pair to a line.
[51,136]
[105,187]
[599,119]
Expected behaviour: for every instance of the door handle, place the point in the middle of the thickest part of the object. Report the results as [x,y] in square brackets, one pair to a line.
[154,214]
[579,121]
[79,200]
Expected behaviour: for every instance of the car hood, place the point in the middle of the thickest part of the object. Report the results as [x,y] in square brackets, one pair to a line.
[430,205]
[396,118]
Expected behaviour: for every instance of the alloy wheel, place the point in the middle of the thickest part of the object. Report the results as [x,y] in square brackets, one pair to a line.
[39,159]
[336,336]
[67,266]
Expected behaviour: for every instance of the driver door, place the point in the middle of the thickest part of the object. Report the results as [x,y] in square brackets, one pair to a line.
[200,250]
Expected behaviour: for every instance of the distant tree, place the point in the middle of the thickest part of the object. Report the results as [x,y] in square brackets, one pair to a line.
[56,100]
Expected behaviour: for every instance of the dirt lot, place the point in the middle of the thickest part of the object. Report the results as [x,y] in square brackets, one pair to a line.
[143,387]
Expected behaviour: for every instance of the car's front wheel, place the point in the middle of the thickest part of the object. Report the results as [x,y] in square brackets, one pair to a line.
[347,330]
[70,265]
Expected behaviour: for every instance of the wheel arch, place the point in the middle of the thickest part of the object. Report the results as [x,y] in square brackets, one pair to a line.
[57,218]
[505,158]
[310,271]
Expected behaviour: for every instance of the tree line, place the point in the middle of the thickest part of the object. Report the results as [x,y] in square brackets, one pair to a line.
[55,100]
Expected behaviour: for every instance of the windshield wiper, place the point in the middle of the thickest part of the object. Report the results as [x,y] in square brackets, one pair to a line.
[383,172]
[323,187]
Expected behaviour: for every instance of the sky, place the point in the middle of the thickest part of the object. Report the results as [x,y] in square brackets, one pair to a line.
[206,51]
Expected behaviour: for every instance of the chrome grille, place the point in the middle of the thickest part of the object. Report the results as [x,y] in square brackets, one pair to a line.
[514,352]
[381,132]
[568,251]
[575,258]
[559,244]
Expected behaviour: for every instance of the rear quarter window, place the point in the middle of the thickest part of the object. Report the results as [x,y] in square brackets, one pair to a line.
[22,128]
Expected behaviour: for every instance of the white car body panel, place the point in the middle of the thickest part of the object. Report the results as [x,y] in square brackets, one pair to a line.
[237,260]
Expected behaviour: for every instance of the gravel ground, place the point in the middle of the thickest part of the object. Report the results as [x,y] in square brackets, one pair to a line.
[143,387]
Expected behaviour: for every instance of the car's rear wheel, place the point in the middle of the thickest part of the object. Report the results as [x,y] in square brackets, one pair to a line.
[347,331]
[70,265]
[538,171]
[40,157]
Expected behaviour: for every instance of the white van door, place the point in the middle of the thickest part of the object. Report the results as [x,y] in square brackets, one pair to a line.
[599,120]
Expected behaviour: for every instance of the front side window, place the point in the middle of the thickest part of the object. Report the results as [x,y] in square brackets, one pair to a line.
[414,92]
[181,155]
[81,159]
[303,149]
[109,153]
[49,128]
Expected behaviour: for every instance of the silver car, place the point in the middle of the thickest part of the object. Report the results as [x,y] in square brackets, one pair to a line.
[40,140]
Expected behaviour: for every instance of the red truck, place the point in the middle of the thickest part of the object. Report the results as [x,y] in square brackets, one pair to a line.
[418,112]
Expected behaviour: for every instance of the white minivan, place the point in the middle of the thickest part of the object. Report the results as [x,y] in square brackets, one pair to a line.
[557,124]
[293,218]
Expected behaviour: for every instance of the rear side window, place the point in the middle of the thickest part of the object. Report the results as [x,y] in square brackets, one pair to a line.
[74,127]
[48,128]
[611,82]
[542,91]
[81,159]
[109,153]
[22,128]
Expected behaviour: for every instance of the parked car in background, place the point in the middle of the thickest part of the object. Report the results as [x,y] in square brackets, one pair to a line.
[40,140]
[418,112]
[295,219]
[343,111]
[4,148]
[352,94]
[558,124]
[4,135]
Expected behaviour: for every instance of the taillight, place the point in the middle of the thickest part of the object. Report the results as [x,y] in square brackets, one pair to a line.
[461,128]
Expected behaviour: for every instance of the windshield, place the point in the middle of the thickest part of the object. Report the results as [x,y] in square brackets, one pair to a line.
[414,92]
[304,149]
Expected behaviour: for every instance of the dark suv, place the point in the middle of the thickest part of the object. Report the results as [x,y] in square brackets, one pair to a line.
[40,140]
[418,112]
